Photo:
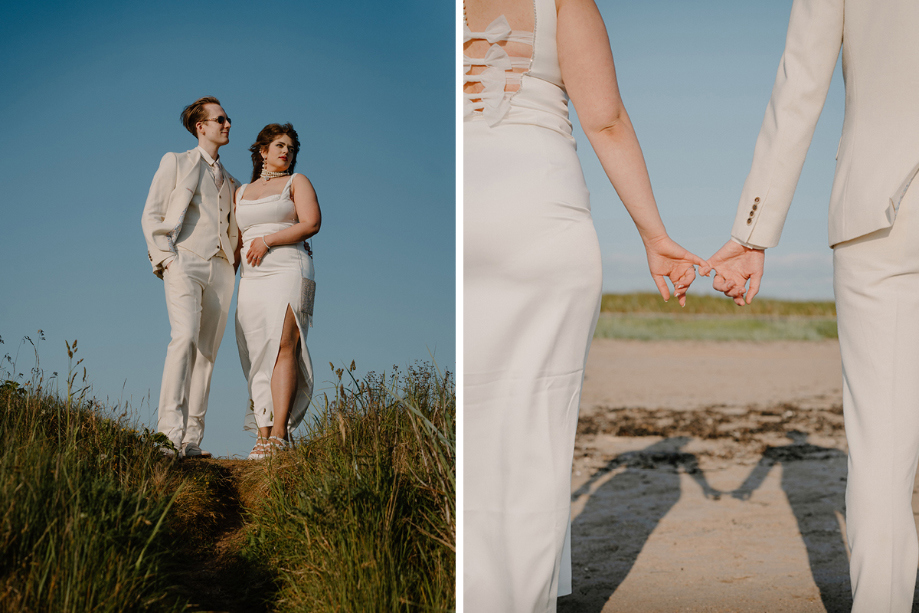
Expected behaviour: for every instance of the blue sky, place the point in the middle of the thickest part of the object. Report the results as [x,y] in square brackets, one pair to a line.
[91,97]
[696,78]
[92,93]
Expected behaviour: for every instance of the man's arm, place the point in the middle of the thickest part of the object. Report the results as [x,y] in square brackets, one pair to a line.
[156,233]
[815,32]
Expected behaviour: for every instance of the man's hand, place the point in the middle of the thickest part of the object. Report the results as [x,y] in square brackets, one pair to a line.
[734,264]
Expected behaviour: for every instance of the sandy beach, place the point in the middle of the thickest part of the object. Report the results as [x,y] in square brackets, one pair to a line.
[710,476]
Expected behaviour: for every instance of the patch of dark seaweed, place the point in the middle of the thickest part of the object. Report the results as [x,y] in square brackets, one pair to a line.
[713,423]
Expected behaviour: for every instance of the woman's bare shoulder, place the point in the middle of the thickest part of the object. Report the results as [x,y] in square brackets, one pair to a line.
[588,3]
[300,181]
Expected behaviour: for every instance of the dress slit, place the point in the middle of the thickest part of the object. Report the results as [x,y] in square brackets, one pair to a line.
[298,353]
[299,405]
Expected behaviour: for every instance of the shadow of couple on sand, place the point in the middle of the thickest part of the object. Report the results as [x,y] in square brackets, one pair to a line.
[622,512]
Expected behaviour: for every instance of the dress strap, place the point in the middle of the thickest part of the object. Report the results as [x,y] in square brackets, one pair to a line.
[290,182]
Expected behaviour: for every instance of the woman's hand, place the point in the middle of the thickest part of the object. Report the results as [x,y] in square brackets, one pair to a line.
[257,250]
[667,259]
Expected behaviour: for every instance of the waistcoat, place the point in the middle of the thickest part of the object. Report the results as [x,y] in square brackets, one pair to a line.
[205,229]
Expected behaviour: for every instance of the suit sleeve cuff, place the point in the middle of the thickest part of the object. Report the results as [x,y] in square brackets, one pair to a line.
[747,245]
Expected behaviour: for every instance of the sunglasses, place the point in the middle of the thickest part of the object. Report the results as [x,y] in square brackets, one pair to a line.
[221,120]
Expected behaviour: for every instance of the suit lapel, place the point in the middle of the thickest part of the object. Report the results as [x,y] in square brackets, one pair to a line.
[188,183]
[898,196]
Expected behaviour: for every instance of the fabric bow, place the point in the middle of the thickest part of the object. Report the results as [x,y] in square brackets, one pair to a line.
[497,30]
[494,101]
[496,58]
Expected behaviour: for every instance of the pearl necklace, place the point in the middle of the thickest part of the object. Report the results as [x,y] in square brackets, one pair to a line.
[268,174]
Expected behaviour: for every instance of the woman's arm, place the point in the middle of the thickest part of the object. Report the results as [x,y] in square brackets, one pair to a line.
[590,78]
[308,213]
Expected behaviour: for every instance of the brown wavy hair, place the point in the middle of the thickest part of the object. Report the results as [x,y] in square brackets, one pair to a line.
[194,112]
[267,136]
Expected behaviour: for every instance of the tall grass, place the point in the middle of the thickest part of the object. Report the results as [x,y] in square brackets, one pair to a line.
[362,516]
[83,506]
[647,302]
[645,316]
[675,328]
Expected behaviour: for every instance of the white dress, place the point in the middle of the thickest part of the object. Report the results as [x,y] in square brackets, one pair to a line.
[532,283]
[284,278]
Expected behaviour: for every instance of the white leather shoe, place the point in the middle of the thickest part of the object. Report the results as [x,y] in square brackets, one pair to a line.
[191,450]
[168,452]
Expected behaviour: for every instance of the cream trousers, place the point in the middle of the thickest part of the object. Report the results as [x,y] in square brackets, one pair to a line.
[198,294]
[876,280]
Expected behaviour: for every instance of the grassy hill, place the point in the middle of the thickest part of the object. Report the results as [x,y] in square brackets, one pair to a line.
[645,316]
[359,517]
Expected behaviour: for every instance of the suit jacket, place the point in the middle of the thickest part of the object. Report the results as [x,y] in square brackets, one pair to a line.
[171,191]
[878,154]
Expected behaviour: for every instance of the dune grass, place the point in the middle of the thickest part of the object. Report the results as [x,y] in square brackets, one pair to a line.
[84,503]
[362,516]
[636,327]
[645,316]
[649,303]
[359,516]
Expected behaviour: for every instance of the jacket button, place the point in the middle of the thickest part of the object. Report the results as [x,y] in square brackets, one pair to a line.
[754,207]
[749,221]
[751,213]
[756,199]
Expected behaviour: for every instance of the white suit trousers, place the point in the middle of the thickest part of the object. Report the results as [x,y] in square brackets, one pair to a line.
[876,280]
[198,295]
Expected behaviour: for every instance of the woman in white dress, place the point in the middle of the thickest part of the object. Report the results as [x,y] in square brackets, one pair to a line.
[533,280]
[276,212]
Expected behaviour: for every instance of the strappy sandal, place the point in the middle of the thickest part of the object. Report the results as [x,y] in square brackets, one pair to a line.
[276,444]
[261,450]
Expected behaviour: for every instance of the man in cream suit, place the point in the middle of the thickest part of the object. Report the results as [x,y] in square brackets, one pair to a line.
[874,232]
[191,234]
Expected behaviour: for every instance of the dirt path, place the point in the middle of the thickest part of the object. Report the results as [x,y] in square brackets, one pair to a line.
[710,477]
[216,577]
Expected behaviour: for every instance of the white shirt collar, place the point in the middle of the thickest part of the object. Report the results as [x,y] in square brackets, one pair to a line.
[207,158]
